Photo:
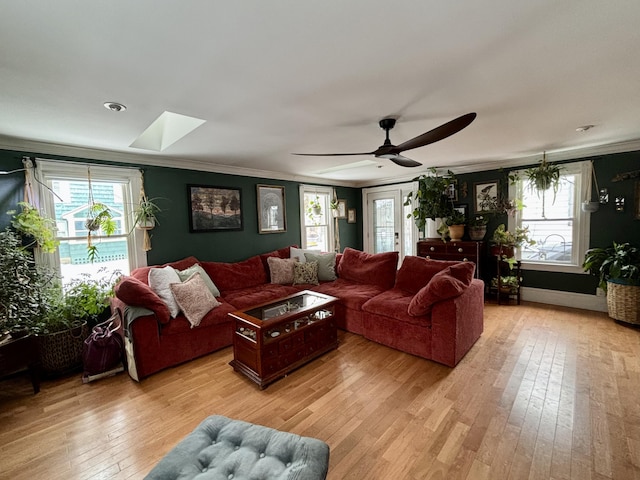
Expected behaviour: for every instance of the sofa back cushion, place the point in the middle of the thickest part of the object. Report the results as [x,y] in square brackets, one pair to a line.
[448,283]
[136,293]
[233,276]
[142,273]
[367,268]
[415,272]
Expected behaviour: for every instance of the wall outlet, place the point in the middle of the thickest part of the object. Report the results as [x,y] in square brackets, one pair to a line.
[600,292]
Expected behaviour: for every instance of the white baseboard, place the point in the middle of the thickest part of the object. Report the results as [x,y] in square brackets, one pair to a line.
[565,299]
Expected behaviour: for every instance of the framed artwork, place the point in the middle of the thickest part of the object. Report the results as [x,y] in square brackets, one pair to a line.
[462,208]
[485,196]
[637,200]
[214,209]
[351,215]
[341,211]
[452,191]
[272,217]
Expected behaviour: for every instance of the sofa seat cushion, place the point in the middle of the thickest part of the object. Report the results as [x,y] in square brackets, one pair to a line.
[415,272]
[352,295]
[248,297]
[394,304]
[216,316]
[367,268]
[233,276]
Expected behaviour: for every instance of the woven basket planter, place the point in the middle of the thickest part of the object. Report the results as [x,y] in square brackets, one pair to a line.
[61,352]
[623,302]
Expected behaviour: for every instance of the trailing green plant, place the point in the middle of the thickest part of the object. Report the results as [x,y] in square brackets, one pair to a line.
[501,236]
[544,176]
[30,224]
[99,218]
[314,209]
[432,200]
[145,212]
[507,282]
[620,262]
[23,286]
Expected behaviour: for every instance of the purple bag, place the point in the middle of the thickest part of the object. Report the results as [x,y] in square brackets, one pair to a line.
[102,350]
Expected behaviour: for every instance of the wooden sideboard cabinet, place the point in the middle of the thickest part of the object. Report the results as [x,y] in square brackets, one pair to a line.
[459,251]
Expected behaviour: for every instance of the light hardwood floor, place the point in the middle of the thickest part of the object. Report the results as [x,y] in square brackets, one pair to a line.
[547,392]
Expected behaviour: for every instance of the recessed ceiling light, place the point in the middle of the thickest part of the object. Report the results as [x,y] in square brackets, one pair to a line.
[584,128]
[114,106]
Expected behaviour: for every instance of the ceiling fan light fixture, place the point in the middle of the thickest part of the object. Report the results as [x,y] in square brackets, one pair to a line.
[115,106]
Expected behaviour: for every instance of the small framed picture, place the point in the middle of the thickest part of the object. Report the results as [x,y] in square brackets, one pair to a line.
[462,208]
[351,215]
[341,211]
[452,191]
[214,209]
[485,196]
[272,216]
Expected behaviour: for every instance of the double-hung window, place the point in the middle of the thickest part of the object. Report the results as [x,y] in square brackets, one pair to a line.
[316,218]
[66,199]
[555,220]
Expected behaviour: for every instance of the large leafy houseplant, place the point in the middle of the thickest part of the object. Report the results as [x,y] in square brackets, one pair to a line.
[432,200]
[619,263]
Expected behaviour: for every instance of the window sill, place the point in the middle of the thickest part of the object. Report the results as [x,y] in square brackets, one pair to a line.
[553,267]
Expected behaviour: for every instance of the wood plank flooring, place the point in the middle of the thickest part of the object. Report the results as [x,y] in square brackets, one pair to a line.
[546,393]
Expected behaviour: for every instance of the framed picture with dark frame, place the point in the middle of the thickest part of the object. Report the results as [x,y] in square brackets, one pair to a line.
[214,209]
[462,208]
[452,191]
[272,216]
[485,196]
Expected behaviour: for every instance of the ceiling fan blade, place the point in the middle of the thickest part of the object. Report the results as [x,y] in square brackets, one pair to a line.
[404,161]
[439,133]
[331,154]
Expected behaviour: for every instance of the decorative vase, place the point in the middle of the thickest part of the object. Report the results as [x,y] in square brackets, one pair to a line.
[431,228]
[456,232]
[477,232]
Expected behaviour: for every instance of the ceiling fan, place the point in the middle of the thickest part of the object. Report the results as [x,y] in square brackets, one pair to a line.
[392,152]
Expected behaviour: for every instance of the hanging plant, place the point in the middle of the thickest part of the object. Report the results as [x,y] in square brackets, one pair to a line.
[99,217]
[39,230]
[543,177]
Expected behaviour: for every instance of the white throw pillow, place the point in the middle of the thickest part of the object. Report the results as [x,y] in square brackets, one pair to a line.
[160,280]
[299,253]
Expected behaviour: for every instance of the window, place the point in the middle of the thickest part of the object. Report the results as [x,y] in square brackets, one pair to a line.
[67,202]
[556,222]
[317,218]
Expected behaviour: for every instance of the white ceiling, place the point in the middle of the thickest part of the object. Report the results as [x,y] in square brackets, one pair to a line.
[281,76]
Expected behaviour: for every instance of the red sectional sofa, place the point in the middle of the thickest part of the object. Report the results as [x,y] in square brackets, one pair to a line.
[429,308]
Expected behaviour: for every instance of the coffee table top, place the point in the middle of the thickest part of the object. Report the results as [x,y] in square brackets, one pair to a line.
[295,304]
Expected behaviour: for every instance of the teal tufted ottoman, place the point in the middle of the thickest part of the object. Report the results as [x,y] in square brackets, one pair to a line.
[223,449]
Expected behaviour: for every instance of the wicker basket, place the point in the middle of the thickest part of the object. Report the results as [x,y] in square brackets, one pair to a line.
[623,302]
[61,352]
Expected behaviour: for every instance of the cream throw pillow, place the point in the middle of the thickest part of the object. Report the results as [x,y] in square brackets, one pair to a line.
[194,298]
[160,280]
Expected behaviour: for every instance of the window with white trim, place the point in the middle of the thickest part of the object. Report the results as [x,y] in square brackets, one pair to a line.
[67,200]
[555,220]
[316,223]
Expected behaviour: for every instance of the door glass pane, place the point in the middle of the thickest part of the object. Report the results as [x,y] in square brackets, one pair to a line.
[383,225]
[71,208]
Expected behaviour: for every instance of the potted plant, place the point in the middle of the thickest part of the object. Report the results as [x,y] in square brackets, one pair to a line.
[23,299]
[456,222]
[508,284]
[38,230]
[432,199]
[99,218]
[72,313]
[144,215]
[478,227]
[314,209]
[504,242]
[618,271]
[544,176]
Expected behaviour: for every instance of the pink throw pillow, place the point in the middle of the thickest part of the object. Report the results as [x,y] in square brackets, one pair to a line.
[194,298]
[448,283]
[281,269]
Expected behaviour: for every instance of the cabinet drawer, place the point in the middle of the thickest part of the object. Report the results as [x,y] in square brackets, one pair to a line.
[462,248]
[431,249]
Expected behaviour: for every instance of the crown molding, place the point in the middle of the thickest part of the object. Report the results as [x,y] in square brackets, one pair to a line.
[62,150]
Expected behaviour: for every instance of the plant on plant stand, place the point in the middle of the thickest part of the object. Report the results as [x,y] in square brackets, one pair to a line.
[505,242]
[618,271]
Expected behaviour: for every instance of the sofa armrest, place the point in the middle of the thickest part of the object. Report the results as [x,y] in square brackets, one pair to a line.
[456,324]
[132,292]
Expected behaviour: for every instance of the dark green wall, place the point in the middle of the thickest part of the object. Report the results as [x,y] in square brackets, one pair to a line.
[171,239]
[607,226]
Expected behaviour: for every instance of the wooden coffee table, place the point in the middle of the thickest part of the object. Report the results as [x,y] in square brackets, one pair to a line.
[272,339]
